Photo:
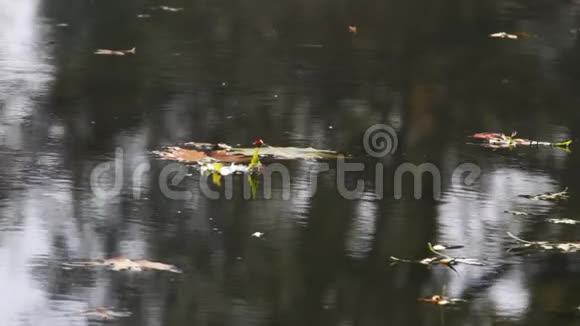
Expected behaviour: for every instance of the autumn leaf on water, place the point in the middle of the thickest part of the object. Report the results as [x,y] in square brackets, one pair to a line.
[181,154]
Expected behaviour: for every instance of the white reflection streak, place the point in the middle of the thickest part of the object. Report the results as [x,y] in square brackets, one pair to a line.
[479,223]
[25,74]
[24,71]
[360,235]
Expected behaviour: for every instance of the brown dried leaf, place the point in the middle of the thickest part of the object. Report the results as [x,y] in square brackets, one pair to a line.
[182,155]
[227,157]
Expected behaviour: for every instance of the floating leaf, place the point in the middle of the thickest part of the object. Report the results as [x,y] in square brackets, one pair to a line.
[563,221]
[257,234]
[115,52]
[439,259]
[544,245]
[105,314]
[441,300]
[517,213]
[125,264]
[167,8]
[290,153]
[504,35]
[499,140]
[446,247]
[549,196]
[182,155]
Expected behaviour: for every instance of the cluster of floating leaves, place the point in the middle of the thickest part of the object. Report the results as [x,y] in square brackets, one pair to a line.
[206,152]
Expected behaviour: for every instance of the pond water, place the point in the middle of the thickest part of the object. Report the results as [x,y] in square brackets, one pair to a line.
[293,74]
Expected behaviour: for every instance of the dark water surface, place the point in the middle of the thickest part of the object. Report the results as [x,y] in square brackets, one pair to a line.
[291,73]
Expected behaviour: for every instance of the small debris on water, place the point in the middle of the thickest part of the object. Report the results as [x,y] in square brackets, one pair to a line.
[258,234]
[446,247]
[504,35]
[442,300]
[167,8]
